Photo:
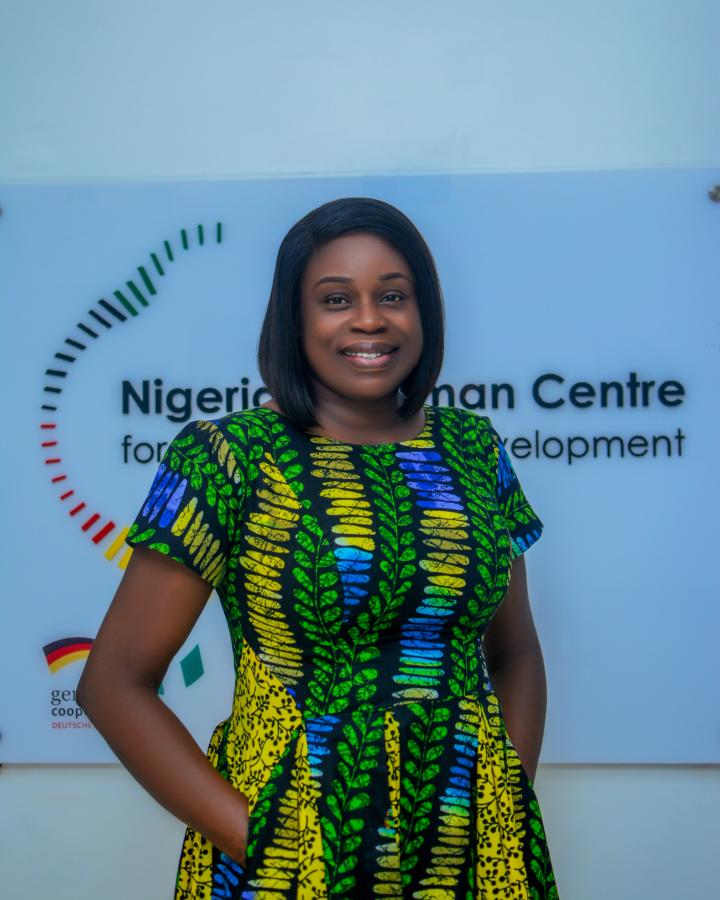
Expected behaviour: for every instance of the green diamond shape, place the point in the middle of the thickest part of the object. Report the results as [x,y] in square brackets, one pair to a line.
[192,666]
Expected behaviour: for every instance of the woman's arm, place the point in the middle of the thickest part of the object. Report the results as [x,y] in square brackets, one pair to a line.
[516,669]
[155,607]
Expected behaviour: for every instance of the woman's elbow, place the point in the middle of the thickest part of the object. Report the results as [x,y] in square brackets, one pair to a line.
[106,683]
[87,691]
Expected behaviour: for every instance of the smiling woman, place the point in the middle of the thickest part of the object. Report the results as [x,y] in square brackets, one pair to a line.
[367,550]
[353,273]
[361,332]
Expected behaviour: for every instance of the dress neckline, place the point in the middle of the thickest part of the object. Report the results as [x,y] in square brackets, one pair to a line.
[424,434]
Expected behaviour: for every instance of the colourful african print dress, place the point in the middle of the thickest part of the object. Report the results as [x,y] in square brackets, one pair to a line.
[357,582]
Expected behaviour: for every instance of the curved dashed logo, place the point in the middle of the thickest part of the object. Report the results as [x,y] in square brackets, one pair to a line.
[126,304]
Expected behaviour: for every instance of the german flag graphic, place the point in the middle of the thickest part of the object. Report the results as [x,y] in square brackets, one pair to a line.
[66,650]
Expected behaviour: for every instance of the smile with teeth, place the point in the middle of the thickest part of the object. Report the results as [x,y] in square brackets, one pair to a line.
[366,354]
[368,351]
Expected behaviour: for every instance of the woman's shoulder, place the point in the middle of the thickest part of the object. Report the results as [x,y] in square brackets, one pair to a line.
[233,433]
[466,418]
[257,417]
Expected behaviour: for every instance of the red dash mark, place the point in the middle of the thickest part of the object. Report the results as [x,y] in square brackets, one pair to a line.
[49,444]
[66,495]
[90,522]
[52,462]
[103,533]
[48,425]
[58,478]
[76,509]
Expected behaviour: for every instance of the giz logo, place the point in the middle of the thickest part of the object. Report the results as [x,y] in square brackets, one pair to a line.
[61,653]
[64,710]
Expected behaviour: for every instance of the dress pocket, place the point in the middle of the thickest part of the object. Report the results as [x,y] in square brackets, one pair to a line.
[514,761]
[228,878]
[496,721]
[272,827]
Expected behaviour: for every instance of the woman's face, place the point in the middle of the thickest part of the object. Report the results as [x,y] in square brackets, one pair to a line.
[361,328]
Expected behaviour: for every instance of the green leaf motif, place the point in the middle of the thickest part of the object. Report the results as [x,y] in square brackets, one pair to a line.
[428,730]
[347,799]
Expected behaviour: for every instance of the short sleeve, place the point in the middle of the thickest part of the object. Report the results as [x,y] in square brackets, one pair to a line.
[190,512]
[523,524]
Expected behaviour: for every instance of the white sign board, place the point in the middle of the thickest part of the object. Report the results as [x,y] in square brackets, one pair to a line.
[582,318]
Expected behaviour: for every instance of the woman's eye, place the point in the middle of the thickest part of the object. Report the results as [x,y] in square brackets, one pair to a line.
[393,297]
[335,300]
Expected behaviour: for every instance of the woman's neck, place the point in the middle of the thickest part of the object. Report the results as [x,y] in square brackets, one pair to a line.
[374,421]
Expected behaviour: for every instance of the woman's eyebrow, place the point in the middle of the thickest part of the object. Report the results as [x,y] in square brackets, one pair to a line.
[390,275]
[342,279]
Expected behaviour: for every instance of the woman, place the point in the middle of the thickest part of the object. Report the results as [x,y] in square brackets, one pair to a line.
[362,545]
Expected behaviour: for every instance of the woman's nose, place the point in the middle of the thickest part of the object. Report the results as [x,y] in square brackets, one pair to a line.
[368,315]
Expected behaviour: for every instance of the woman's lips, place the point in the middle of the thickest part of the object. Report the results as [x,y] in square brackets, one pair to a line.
[368,357]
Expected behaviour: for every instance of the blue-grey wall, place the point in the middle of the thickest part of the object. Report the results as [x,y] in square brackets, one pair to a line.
[175,89]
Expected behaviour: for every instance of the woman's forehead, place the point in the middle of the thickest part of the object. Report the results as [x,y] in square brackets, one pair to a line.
[355,256]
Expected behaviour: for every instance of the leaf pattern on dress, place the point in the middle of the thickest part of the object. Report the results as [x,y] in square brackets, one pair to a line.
[357,583]
[443,529]
[348,797]
[425,732]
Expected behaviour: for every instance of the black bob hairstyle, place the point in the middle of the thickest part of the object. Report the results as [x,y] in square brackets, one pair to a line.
[281,360]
